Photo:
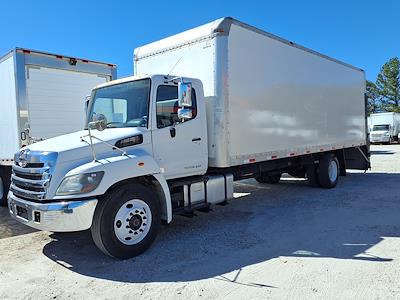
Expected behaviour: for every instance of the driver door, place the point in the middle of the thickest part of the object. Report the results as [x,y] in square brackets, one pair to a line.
[180,148]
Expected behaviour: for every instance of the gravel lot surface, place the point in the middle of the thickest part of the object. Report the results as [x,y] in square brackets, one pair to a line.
[285,241]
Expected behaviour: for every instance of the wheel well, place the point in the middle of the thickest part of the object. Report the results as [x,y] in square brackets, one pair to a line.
[148,180]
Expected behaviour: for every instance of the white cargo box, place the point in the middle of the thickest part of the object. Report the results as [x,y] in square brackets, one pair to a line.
[267,98]
[388,118]
[44,93]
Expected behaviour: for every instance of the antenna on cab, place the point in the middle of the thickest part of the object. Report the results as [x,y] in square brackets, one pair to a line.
[174,66]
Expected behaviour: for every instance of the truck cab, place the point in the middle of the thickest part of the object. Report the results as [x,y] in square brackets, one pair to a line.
[140,131]
[381,133]
[178,144]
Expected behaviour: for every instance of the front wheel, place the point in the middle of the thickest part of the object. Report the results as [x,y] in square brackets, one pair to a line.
[126,221]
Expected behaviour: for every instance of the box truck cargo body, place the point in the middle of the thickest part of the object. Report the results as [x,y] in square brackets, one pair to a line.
[218,103]
[42,95]
[266,97]
[385,127]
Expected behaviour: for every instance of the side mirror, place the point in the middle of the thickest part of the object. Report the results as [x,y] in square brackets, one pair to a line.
[99,122]
[184,94]
[185,114]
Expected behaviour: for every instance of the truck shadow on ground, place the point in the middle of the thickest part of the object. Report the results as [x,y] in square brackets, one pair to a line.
[265,222]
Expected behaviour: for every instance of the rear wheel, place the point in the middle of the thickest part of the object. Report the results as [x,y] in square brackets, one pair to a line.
[328,171]
[126,221]
[270,179]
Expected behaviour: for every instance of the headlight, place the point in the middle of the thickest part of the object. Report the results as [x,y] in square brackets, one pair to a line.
[387,134]
[78,184]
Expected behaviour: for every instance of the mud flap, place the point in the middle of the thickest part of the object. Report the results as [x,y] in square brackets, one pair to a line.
[357,158]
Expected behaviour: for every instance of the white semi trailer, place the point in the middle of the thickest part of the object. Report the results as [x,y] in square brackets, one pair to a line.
[42,96]
[385,127]
[242,103]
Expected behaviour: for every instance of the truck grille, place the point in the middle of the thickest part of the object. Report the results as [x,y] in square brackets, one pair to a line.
[30,182]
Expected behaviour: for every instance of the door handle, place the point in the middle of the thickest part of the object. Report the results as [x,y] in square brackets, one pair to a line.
[196,139]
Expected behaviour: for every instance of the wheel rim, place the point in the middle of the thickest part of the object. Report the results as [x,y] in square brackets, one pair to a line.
[333,171]
[132,222]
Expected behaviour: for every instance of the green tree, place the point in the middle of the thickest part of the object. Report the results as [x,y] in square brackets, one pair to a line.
[373,96]
[388,85]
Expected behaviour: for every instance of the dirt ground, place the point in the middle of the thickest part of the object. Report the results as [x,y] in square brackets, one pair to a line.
[284,241]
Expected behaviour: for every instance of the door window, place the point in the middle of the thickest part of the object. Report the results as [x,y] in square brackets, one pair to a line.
[167,105]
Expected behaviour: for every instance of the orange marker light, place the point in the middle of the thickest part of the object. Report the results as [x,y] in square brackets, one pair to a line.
[141,164]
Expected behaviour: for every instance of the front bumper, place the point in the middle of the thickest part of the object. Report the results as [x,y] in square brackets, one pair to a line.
[381,139]
[63,216]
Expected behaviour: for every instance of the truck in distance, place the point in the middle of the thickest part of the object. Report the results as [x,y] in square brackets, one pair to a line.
[241,103]
[385,127]
[42,96]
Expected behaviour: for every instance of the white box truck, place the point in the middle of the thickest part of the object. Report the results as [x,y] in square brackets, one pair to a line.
[42,95]
[242,103]
[385,127]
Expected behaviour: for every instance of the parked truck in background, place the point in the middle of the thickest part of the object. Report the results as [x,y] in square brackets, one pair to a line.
[385,127]
[369,123]
[42,96]
[242,103]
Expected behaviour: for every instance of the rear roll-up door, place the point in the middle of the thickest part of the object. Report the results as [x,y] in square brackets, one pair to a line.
[56,99]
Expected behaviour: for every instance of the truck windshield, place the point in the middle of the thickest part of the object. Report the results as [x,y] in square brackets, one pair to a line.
[123,105]
[380,127]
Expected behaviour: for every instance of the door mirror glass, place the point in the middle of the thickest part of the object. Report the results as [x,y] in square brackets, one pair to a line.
[184,94]
[185,114]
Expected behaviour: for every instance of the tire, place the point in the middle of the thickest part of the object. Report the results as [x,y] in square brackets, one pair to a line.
[270,179]
[119,227]
[328,171]
[5,181]
[312,176]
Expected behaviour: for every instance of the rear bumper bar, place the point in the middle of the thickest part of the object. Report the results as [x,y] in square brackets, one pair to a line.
[63,216]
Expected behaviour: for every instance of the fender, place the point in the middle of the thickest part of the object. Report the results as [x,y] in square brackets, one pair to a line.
[119,168]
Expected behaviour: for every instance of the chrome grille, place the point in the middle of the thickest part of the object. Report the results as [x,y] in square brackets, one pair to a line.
[31,179]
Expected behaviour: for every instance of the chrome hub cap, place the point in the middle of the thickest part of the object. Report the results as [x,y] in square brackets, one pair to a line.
[132,222]
[333,171]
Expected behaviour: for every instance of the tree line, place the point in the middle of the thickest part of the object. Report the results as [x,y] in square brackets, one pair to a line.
[384,94]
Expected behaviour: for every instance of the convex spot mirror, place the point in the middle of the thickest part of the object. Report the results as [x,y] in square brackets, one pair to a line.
[185,114]
[99,122]
[184,94]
